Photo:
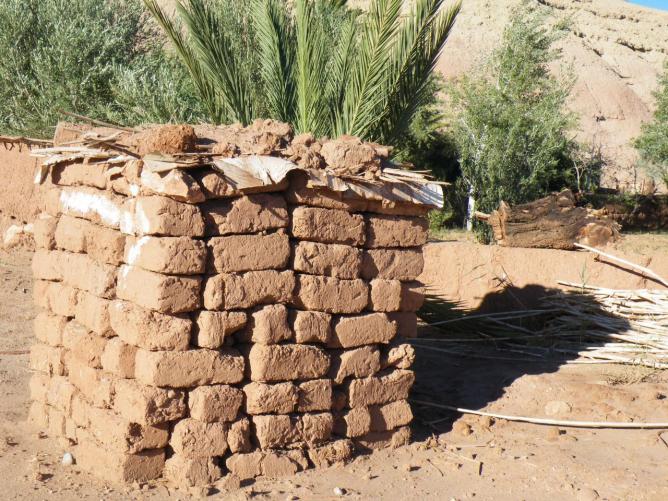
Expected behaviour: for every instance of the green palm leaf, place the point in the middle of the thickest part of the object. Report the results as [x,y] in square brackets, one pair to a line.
[276,44]
[420,43]
[364,91]
[311,112]
[202,82]
[214,50]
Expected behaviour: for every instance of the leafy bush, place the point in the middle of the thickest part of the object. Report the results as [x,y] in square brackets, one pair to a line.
[653,143]
[97,58]
[510,121]
[62,54]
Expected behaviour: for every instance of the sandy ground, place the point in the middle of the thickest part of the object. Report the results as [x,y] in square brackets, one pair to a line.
[452,457]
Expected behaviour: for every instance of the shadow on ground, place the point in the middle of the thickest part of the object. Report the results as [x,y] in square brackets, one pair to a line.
[470,358]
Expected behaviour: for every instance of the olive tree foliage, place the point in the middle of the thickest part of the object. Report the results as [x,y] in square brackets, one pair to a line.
[653,142]
[510,124]
[96,58]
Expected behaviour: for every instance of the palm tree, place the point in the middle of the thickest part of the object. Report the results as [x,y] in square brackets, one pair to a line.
[316,64]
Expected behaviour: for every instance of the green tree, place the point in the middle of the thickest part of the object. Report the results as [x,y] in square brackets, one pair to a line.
[510,125]
[316,64]
[97,58]
[653,142]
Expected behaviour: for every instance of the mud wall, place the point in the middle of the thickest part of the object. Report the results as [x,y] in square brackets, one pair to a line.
[19,196]
[493,278]
[210,336]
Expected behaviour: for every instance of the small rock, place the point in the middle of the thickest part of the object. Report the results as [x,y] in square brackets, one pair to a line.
[485,422]
[462,428]
[42,434]
[68,459]
[557,407]
[338,491]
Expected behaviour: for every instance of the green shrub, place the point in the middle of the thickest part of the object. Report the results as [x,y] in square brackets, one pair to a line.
[653,143]
[510,124]
[62,54]
[101,59]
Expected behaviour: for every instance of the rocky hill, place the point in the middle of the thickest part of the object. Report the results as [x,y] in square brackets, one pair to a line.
[616,50]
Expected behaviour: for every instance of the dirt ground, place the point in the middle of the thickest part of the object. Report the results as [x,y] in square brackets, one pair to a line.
[451,457]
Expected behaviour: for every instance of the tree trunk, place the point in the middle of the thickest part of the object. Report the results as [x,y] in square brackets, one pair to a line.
[553,222]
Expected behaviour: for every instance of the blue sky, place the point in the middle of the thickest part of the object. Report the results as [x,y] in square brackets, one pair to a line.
[657,4]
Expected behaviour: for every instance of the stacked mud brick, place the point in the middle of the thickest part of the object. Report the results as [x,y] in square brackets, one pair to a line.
[203,332]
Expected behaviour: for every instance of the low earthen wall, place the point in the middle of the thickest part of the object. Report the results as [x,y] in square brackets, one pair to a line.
[249,335]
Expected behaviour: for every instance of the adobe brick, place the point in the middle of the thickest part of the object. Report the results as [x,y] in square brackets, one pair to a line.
[390,416]
[93,313]
[327,226]
[83,344]
[195,439]
[233,291]
[384,439]
[357,363]
[162,216]
[360,330]
[237,253]
[246,214]
[314,395]
[331,295]
[118,358]
[239,436]
[268,325]
[380,390]
[80,174]
[287,362]
[168,255]
[97,206]
[149,329]
[49,328]
[163,293]
[400,356]
[80,236]
[311,326]
[44,229]
[395,231]
[338,452]
[353,422]
[119,467]
[47,359]
[213,327]
[215,403]
[147,404]
[261,398]
[333,260]
[392,264]
[184,369]
[96,386]
[118,434]
[188,472]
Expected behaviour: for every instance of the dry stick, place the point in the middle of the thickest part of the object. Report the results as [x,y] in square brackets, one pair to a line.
[549,422]
[645,271]
[96,122]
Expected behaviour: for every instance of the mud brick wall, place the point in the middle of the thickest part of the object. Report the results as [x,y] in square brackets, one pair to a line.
[248,335]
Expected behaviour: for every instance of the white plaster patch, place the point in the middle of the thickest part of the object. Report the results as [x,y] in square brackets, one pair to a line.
[85,203]
[135,250]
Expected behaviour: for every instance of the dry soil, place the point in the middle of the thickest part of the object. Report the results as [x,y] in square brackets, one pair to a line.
[451,457]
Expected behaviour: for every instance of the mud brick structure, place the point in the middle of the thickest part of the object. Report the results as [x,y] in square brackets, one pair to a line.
[226,301]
